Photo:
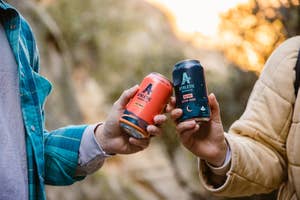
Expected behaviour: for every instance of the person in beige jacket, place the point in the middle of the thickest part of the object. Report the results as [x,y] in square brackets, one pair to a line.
[261,151]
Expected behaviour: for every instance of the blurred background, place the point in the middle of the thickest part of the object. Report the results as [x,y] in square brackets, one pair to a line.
[94,49]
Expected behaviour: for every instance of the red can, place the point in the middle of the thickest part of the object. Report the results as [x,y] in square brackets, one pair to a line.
[151,98]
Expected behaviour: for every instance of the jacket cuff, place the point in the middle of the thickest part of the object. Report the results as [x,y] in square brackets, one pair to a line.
[214,179]
[222,170]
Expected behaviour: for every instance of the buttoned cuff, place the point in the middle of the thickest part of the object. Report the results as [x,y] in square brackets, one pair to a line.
[91,154]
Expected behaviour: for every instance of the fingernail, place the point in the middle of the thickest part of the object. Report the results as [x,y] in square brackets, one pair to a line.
[191,122]
[160,118]
[150,128]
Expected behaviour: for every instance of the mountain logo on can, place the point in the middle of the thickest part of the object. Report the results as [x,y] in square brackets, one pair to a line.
[150,100]
[190,90]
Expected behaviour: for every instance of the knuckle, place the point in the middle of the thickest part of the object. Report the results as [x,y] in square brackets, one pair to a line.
[179,129]
[116,103]
[154,129]
[173,115]
[125,93]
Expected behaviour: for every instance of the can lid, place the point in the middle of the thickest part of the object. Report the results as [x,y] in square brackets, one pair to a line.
[162,76]
[187,63]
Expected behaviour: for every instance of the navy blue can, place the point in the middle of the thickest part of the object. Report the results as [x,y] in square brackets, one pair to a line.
[190,90]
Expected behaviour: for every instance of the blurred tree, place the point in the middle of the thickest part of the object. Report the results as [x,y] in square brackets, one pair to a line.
[117,40]
[251,31]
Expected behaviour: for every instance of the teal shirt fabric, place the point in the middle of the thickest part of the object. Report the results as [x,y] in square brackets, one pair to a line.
[52,157]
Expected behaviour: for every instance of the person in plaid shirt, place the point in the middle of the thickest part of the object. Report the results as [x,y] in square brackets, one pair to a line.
[30,155]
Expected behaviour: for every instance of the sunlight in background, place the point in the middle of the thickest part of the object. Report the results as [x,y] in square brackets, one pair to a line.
[196,16]
[246,38]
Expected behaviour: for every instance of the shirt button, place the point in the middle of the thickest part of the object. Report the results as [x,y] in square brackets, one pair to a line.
[12,26]
[32,128]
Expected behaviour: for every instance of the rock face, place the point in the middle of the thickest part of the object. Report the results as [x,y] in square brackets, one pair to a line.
[93,50]
[56,65]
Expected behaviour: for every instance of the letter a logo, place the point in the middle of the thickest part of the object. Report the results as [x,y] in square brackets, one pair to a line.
[148,89]
[185,79]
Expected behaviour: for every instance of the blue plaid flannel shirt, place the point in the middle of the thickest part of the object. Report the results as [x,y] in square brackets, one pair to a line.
[52,157]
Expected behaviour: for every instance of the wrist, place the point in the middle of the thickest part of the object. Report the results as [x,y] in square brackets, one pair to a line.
[222,170]
[220,157]
[101,138]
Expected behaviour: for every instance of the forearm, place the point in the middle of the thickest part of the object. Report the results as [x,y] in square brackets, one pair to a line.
[61,154]
[254,169]
[71,153]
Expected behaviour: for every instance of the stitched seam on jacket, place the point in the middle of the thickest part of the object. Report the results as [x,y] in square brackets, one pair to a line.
[289,56]
[281,129]
[258,133]
[268,188]
[274,71]
[287,121]
[294,165]
[281,155]
[295,122]
[266,85]
[234,165]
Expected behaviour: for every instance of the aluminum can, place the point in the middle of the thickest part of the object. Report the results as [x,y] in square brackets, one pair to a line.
[151,98]
[190,90]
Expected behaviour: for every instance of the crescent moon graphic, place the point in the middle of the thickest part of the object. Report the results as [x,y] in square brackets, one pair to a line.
[188,109]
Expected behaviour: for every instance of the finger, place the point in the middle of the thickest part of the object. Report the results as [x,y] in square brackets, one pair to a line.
[154,130]
[176,113]
[141,143]
[127,95]
[159,119]
[171,105]
[185,136]
[215,109]
[186,125]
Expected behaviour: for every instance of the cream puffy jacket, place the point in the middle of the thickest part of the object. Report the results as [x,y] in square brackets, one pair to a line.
[265,141]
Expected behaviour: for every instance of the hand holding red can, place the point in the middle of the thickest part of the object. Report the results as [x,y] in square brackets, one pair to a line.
[151,98]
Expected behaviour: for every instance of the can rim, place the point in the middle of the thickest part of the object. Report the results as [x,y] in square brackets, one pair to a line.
[162,76]
[186,61]
[139,129]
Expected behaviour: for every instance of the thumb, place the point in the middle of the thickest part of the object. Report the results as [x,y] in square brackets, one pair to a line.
[127,95]
[215,109]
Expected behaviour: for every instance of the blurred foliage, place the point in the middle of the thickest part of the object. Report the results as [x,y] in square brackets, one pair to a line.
[120,42]
[252,30]
[232,92]
[117,40]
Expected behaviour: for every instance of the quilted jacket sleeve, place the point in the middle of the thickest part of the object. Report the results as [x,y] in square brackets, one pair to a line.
[258,139]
